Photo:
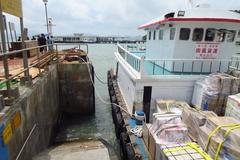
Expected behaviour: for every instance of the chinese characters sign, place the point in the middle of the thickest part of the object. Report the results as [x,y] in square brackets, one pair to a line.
[207,50]
[13,7]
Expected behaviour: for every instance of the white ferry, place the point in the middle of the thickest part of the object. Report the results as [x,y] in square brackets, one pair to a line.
[181,47]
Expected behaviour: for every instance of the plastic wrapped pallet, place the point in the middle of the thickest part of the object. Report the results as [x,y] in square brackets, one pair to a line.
[226,82]
[195,119]
[187,151]
[233,106]
[160,119]
[170,106]
[210,103]
[166,129]
[211,93]
[172,133]
[220,137]
[236,73]
[236,85]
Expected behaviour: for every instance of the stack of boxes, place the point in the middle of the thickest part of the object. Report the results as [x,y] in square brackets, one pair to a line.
[233,106]
[211,93]
[168,131]
[176,125]
[220,137]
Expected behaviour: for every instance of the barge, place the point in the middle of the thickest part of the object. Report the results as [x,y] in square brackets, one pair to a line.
[188,71]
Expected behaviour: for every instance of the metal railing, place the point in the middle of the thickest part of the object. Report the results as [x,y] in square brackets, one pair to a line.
[189,66]
[178,66]
[26,63]
[132,59]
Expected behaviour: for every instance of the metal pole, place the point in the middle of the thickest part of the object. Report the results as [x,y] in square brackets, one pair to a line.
[25,56]
[10,30]
[4,48]
[46,11]
[5,26]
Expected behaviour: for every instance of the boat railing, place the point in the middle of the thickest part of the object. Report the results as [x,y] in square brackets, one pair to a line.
[178,66]
[24,62]
[133,60]
[189,66]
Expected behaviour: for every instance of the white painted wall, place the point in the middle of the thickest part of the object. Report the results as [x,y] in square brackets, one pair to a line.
[160,49]
[163,87]
[186,49]
[127,87]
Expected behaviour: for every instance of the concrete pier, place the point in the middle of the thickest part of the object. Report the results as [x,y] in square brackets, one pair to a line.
[88,150]
[27,126]
[36,106]
[76,89]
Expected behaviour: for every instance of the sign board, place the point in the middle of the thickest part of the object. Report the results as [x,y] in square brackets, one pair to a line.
[207,50]
[13,7]
[7,133]
[16,121]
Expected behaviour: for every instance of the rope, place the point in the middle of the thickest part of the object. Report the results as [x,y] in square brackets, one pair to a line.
[98,95]
[225,136]
[99,79]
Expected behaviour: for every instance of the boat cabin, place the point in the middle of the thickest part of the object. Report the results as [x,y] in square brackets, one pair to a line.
[200,33]
[182,47]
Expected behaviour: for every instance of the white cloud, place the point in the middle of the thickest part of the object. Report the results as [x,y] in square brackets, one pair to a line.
[105,16]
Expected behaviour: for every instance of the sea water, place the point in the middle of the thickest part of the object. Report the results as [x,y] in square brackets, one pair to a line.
[101,124]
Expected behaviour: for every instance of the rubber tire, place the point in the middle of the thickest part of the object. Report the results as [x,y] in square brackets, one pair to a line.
[130,152]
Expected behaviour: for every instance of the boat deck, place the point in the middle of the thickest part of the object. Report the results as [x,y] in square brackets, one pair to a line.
[137,143]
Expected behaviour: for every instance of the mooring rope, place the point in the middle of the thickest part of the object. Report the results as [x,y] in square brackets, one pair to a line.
[98,95]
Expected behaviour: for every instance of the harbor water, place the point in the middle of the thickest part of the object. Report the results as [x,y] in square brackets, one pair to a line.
[99,126]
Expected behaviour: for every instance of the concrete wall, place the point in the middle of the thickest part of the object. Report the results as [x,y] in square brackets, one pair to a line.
[37,105]
[76,89]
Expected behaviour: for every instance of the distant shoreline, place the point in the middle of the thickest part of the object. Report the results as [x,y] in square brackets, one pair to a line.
[131,42]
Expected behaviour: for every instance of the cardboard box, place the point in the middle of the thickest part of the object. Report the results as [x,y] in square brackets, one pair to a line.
[233,106]
[145,132]
[231,146]
[166,129]
[170,106]
[195,119]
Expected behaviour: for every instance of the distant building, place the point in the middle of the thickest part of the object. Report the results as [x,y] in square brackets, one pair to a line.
[84,38]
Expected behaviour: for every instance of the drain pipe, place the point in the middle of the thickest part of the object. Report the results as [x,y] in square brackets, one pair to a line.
[19,154]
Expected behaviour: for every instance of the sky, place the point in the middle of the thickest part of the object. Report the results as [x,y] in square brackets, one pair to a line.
[103,17]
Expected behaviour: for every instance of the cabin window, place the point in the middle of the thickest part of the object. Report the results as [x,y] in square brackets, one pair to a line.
[184,33]
[210,34]
[149,35]
[154,35]
[231,36]
[172,33]
[221,35]
[161,35]
[197,34]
